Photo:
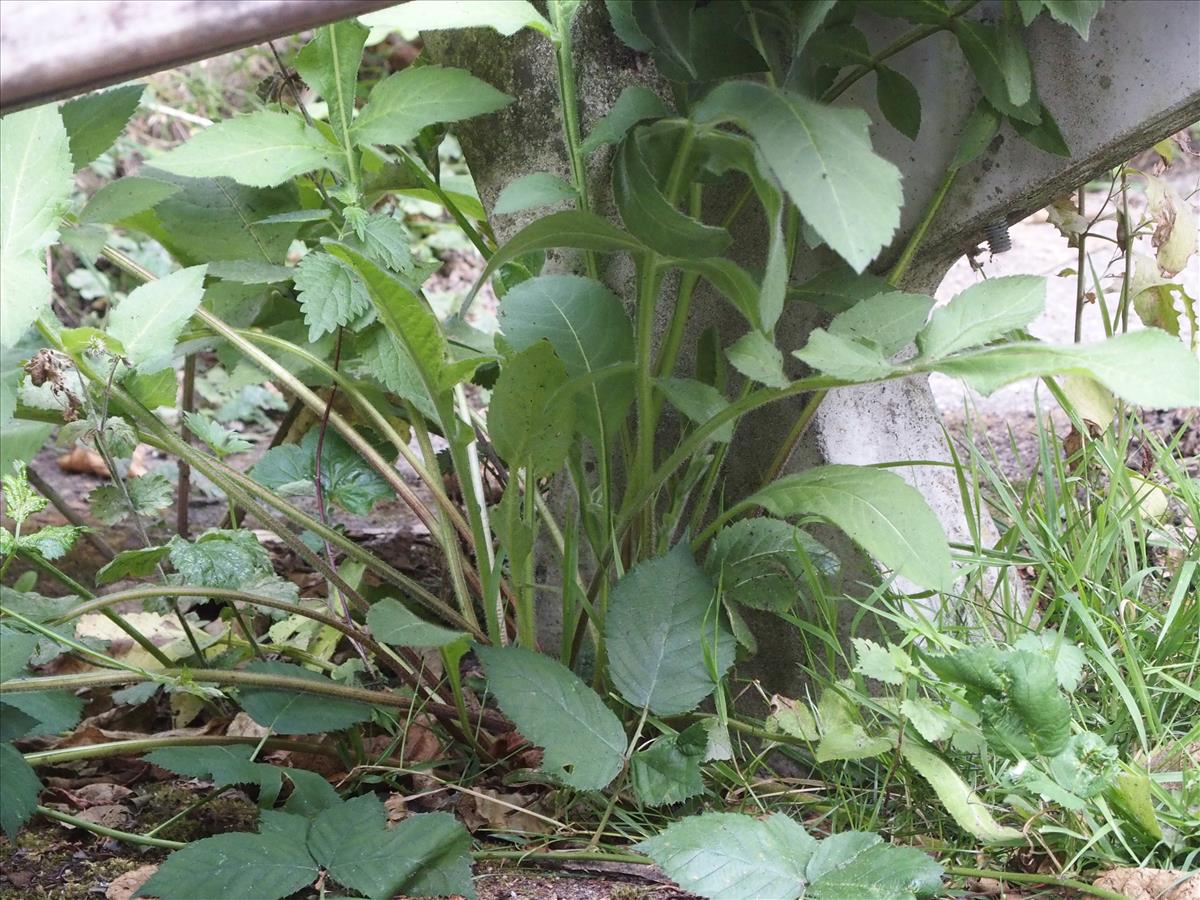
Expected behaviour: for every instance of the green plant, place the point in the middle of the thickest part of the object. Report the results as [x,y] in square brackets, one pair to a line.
[653,572]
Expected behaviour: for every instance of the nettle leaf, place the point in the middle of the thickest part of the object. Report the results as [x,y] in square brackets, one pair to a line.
[857,864]
[51,541]
[219,558]
[1068,658]
[583,740]
[882,513]
[698,401]
[261,149]
[347,480]
[823,158]
[590,331]
[268,866]
[533,191]
[1118,363]
[1076,13]
[132,564]
[329,64]
[19,789]
[219,439]
[667,646]
[391,622]
[932,721]
[20,499]
[756,357]
[758,562]
[982,313]
[505,16]
[652,217]
[532,426]
[147,495]
[407,101]
[149,320]
[35,187]
[427,855]
[733,856]
[126,197]
[963,804]
[224,766]
[329,293]
[94,121]
[387,241]
[669,771]
[294,712]
[1031,717]
[636,104]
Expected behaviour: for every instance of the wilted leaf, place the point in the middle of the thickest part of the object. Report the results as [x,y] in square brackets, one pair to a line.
[963,804]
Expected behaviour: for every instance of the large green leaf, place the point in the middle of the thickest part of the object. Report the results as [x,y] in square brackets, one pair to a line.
[330,294]
[590,331]
[532,191]
[982,313]
[19,789]
[404,103]
[856,865]
[149,320]
[1001,65]
[584,742]
[635,104]
[347,480]
[295,712]
[823,158]
[881,512]
[329,63]
[1031,717]
[220,558]
[530,425]
[391,622]
[224,766]
[505,16]
[734,857]
[94,121]
[843,357]
[35,185]
[758,562]
[696,43]
[667,646]
[126,197]
[147,494]
[1118,363]
[757,357]
[266,866]
[54,711]
[963,804]
[650,216]
[261,149]
[888,321]
[427,855]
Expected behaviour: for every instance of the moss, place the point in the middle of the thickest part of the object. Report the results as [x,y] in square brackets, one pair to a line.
[47,862]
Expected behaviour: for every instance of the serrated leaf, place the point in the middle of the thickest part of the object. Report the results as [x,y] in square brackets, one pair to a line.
[387,241]
[266,866]
[216,437]
[843,357]
[698,401]
[426,855]
[311,794]
[930,720]
[94,121]
[149,320]
[126,197]
[347,480]
[261,149]
[620,14]
[889,321]
[583,740]
[407,101]
[54,711]
[224,766]
[51,541]
[665,774]
[329,293]
[219,558]
[505,16]
[19,789]
[35,186]
[878,510]
[531,426]
[393,623]
[963,804]
[1086,766]
[823,158]
[1076,13]
[1031,717]
[855,865]
[14,723]
[1118,363]
[792,717]
[635,104]
[294,712]
[1068,658]
[758,563]
[667,647]
[982,313]
[756,357]
[734,857]
[842,735]
[533,191]
[20,499]
[329,64]
[131,564]
[877,662]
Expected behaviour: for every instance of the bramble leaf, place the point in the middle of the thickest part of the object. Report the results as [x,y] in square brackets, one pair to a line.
[269,866]
[347,480]
[19,789]
[224,766]
[295,712]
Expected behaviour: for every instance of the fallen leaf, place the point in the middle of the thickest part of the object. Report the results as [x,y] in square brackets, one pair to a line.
[123,887]
[110,815]
[100,794]
[86,461]
[1151,884]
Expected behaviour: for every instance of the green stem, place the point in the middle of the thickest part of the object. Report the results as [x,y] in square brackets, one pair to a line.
[900,269]
[126,836]
[1034,878]
[460,218]
[138,746]
[569,100]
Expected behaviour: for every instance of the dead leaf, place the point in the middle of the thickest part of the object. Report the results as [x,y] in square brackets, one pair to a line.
[500,812]
[100,794]
[123,887]
[110,815]
[244,726]
[1152,884]
[86,461]
[397,809]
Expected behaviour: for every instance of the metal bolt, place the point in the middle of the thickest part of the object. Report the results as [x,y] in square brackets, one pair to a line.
[998,238]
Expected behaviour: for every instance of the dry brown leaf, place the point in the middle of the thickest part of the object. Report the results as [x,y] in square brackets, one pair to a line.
[397,809]
[86,461]
[244,726]
[500,812]
[110,815]
[123,887]
[1152,884]
[100,794]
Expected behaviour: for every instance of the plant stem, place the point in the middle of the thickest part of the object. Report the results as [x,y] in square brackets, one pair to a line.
[126,836]
[138,746]
[1081,271]
[460,218]
[569,100]
[187,404]
[1034,878]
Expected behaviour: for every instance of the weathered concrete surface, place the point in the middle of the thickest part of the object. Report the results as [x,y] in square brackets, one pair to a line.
[1132,84]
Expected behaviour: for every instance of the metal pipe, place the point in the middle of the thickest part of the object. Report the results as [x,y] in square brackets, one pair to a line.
[50,50]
